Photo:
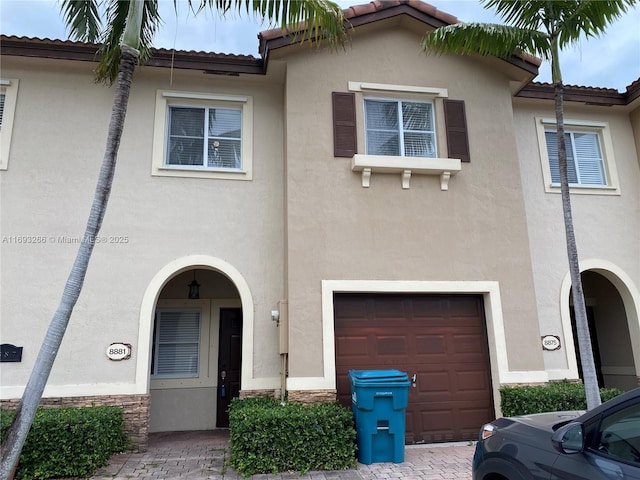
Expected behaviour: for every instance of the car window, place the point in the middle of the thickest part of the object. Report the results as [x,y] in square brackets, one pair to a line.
[619,435]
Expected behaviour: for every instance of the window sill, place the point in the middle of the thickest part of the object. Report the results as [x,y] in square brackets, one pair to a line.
[405,166]
[195,172]
[585,189]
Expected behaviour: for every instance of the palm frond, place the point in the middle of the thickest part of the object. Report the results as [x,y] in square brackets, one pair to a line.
[588,17]
[308,20]
[519,14]
[567,20]
[116,16]
[151,21]
[82,18]
[486,39]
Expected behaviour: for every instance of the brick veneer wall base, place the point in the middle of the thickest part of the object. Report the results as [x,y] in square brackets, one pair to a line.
[136,409]
[299,396]
[312,396]
[259,393]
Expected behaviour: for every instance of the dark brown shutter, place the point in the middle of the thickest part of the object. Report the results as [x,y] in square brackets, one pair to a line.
[344,124]
[456,123]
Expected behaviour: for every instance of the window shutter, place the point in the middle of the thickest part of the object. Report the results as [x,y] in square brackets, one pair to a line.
[344,124]
[456,123]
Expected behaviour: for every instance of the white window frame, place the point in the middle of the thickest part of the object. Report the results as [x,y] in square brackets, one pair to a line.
[9,87]
[440,166]
[601,129]
[400,130]
[167,98]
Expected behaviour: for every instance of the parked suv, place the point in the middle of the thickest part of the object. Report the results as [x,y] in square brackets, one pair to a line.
[603,443]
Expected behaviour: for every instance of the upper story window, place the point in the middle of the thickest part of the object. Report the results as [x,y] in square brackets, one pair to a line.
[399,128]
[8,99]
[584,158]
[203,135]
[590,160]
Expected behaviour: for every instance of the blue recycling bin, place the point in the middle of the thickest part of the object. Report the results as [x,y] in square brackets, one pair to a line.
[379,400]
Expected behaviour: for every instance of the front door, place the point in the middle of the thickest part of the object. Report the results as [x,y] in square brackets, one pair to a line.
[229,362]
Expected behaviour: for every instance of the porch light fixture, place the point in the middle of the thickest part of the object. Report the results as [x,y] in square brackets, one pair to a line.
[194,288]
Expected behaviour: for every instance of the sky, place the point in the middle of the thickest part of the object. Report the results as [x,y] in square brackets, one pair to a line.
[610,61]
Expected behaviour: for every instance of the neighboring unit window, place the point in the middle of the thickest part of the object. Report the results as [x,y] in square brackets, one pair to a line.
[590,157]
[8,99]
[584,158]
[205,137]
[176,344]
[399,128]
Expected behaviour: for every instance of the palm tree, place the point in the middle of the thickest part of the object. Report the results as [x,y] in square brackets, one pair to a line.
[126,41]
[542,28]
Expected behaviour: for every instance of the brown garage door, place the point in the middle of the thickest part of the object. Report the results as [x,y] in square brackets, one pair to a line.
[440,338]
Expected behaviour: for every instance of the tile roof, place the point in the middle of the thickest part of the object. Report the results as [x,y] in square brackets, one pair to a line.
[605,97]
[355,12]
[161,57]
[377,6]
[358,15]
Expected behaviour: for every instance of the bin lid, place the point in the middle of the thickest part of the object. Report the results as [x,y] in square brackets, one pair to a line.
[364,377]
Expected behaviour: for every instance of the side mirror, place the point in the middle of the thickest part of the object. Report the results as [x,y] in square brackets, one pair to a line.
[568,439]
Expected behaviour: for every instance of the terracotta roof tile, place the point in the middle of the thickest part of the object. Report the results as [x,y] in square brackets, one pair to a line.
[375,6]
[634,85]
[588,95]
[160,57]
[376,10]
[378,5]
[71,43]
[583,88]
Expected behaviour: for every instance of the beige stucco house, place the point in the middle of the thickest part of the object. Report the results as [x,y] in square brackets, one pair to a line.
[367,208]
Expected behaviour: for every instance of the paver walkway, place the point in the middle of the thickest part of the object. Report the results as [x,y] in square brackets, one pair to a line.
[205,455]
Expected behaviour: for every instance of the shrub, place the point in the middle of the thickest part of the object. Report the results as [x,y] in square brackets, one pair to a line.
[68,442]
[556,396]
[269,437]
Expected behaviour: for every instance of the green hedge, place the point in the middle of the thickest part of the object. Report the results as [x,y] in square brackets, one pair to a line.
[68,442]
[556,396]
[270,437]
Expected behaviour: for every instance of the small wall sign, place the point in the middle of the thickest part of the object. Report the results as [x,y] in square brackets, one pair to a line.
[10,353]
[119,351]
[551,342]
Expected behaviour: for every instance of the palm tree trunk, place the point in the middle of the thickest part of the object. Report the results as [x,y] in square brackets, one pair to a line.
[584,338]
[12,446]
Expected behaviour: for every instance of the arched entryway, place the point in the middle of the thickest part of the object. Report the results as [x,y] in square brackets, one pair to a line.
[612,313]
[196,343]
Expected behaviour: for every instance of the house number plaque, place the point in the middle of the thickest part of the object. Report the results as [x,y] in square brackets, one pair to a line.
[119,351]
[551,342]
[10,353]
